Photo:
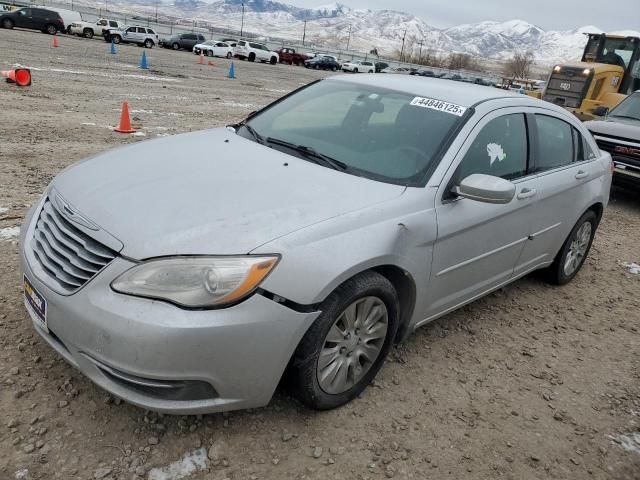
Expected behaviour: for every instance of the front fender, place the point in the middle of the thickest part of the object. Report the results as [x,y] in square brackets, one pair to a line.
[317,259]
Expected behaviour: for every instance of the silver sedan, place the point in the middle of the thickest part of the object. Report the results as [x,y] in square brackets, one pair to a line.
[189,274]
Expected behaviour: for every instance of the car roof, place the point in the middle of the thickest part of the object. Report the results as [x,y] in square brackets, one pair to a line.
[464,94]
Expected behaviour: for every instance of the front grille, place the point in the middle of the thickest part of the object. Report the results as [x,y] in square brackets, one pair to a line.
[609,144]
[67,254]
[567,88]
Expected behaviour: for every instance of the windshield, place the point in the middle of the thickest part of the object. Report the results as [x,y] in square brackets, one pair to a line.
[628,108]
[382,134]
[617,52]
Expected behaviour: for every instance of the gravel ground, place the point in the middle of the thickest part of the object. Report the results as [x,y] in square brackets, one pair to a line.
[530,382]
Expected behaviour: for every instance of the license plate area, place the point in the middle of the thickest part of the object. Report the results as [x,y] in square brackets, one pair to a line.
[36,304]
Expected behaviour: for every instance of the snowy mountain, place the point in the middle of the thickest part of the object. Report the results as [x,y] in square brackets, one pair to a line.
[336,25]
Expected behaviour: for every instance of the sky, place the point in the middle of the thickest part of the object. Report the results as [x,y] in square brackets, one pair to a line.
[547,14]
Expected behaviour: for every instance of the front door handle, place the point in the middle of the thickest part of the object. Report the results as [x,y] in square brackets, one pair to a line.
[527,193]
[581,174]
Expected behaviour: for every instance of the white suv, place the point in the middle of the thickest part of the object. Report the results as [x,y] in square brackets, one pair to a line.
[255,51]
[135,34]
[355,67]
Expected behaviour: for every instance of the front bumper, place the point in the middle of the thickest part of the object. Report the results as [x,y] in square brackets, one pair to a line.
[144,351]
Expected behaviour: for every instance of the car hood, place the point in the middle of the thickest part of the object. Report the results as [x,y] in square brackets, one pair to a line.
[617,127]
[209,192]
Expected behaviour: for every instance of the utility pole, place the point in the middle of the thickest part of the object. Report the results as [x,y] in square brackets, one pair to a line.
[156,11]
[242,21]
[304,32]
[402,49]
[349,38]
[420,54]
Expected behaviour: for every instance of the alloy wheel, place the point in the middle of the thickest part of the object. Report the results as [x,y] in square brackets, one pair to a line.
[352,345]
[578,249]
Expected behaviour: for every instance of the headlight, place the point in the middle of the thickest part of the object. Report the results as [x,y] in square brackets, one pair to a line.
[196,282]
[557,68]
[586,71]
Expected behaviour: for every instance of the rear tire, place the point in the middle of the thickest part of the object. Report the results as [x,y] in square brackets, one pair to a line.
[51,29]
[359,321]
[229,55]
[116,39]
[574,251]
[148,43]
[176,46]
[252,57]
[87,33]
[355,70]
[273,61]
[7,23]
[334,69]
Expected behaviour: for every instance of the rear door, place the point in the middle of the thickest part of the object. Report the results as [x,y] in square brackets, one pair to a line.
[478,243]
[568,174]
[40,18]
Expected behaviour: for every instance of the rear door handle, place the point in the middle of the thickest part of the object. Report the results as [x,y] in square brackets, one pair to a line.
[581,174]
[527,193]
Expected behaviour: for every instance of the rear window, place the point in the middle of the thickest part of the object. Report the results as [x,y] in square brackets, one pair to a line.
[242,44]
[150,31]
[113,24]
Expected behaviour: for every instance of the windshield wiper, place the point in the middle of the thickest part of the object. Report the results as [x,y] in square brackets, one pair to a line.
[310,153]
[256,136]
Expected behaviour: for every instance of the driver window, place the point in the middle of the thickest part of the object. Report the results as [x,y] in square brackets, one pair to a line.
[131,29]
[500,149]
[102,22]
[24,12]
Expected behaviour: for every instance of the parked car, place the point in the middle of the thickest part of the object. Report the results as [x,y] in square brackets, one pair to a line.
[214,48]
[253,51]
[89,30]
[423,73]
[322,248]
[291,57]
[45,20]
[68,17]
[322,63]
[381,66]
[184,41]
[396,70]
[142,36]
[359,67]
[319,54]
[619,134]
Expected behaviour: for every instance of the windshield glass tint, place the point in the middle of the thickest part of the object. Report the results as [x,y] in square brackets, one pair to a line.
[630,107]
[374,131]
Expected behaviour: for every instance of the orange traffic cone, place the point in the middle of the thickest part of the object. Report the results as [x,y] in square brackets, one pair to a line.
[211,63]
[55,41]
[125,120]
[201,59]
[19,76]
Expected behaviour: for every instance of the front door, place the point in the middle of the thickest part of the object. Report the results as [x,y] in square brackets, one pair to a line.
[478,243]
[24,18]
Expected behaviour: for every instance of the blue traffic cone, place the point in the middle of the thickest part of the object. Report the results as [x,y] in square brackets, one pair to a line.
[113,48]
[143,61]
[232,71]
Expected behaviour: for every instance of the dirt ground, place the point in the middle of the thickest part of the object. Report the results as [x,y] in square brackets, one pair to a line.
[532,382]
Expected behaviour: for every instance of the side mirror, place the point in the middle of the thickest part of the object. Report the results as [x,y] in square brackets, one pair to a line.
[486,189]
[601,111]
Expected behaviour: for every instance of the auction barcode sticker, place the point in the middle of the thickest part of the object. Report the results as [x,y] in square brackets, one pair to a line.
[439,105]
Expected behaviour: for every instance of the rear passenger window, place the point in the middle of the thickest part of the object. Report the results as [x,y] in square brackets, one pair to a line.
[141,30]
[500,149]
[556,143]
[113,24]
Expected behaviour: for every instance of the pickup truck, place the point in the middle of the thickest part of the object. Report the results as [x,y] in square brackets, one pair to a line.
[618,133]
[291,57]
[89,30]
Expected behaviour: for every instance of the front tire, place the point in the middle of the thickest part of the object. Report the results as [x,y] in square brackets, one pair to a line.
[148,43]
[574,251]
[87,33]
[252,57]
[116,39]
[346,346]
[273,60]
[176,46]
[229,54]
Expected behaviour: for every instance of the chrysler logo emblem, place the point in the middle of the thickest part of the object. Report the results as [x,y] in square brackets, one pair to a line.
[72,214]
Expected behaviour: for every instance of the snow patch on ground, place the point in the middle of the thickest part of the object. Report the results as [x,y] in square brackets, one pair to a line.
[20,474]
[237,105]
[139,134]
[186,466]
[633,268]
[9,232]
[3,209]
[630,442]
[91,124]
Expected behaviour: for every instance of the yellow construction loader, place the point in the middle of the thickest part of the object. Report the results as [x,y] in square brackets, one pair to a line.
[609,70]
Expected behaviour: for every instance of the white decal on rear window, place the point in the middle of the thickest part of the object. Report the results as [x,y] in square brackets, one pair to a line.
[439,105]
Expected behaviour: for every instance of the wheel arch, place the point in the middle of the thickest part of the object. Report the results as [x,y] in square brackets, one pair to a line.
[598,209]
